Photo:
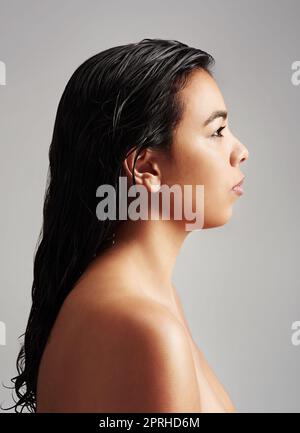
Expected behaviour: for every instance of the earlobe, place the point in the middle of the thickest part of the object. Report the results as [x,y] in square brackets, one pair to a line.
[155,187]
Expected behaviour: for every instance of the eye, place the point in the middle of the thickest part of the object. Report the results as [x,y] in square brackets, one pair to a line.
[218,132]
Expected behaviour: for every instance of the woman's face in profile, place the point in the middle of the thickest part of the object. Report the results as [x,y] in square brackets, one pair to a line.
[203,153]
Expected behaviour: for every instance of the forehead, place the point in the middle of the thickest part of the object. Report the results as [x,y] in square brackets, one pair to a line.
[201,96]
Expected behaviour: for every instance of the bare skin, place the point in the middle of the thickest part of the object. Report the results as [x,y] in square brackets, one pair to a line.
[121,342]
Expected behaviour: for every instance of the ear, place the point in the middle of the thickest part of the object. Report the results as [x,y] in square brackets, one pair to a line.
[147,171]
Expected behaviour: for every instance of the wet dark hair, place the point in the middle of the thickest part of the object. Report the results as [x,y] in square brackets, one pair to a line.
[122,99]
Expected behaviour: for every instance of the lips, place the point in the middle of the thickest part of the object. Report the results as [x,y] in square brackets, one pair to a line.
[238,185]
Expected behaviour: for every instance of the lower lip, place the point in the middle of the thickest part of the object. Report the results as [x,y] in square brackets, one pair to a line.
[238,190]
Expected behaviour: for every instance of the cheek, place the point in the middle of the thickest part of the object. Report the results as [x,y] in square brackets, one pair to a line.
[208,167]
[200,167]
[190,166]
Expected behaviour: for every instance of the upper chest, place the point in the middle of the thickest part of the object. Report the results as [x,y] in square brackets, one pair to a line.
[213,397]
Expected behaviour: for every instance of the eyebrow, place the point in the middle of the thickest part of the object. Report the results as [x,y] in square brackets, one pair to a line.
[214,115]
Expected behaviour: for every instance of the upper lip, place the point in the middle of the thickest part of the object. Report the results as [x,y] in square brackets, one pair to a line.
[240,182]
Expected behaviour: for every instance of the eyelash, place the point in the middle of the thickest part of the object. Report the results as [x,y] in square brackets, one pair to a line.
[218,131]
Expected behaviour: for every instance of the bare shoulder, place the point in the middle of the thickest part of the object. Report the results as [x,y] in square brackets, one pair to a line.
[142,360]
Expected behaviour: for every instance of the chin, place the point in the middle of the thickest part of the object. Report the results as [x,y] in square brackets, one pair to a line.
[217,219]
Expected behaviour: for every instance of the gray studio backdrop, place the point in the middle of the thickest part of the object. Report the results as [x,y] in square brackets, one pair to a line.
[239,283]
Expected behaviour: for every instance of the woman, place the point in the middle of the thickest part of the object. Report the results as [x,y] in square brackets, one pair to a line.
[106,331]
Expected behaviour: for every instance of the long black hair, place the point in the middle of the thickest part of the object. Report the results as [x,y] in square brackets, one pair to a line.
[122,99]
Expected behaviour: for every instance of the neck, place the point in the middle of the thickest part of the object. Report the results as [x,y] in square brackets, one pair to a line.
[149,249]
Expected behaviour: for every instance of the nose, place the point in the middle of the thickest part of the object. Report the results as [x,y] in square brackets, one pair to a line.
[240,153]
[245,154]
